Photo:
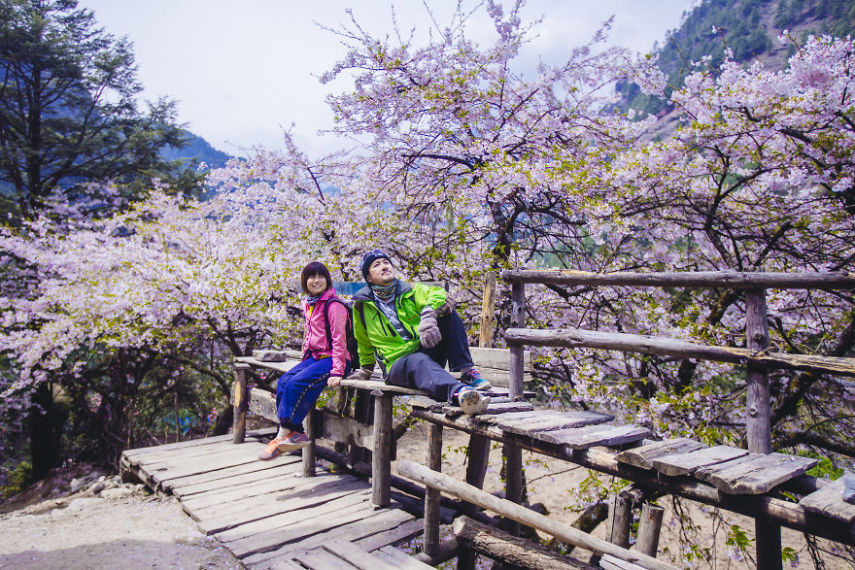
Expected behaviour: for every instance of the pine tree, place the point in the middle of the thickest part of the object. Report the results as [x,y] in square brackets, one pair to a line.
[68,106]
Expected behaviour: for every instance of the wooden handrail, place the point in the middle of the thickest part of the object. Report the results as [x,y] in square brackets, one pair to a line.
[565,532]
[664,346]
[698,279]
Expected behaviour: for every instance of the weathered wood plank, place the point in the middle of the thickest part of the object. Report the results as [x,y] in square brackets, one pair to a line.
[234,514]
[829,502]
[359,558]
[400,560]
[393,536]
[166,447]
[684,463]
[320,559]
[177,454]
[492,409]
[229,477]
[343,506]
[592,435]
[549,421]
[247,490]
[754,474]
[643,456]
[300,525]
[379,522]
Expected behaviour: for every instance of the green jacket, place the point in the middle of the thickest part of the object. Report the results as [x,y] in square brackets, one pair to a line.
[377,338]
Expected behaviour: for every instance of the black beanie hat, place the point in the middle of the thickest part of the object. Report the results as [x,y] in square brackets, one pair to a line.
[370,257]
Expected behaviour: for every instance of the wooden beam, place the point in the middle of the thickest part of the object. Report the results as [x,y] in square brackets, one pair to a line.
[523,515]
[519,552]
[574,338]
[649,528]
[433,497]
[697,279]
[488,311]
[381,455]
[517,356]
[240,402]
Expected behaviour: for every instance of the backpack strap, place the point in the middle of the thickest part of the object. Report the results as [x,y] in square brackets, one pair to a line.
[327,318]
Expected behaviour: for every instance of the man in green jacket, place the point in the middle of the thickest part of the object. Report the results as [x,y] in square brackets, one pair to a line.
[413,331]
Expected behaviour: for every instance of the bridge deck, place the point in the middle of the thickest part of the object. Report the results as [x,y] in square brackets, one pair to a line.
[269,516]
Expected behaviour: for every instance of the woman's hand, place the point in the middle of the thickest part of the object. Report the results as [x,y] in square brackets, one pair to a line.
[334,381]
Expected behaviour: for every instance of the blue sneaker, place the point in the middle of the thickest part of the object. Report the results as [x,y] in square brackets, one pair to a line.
[473,378]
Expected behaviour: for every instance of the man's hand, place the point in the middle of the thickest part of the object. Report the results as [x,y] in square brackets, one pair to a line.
[446,307]
[334,381]
[428,329]
[362,374]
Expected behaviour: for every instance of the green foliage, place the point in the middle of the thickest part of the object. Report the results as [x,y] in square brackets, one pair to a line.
[18,480]
[69,114]
[742,27]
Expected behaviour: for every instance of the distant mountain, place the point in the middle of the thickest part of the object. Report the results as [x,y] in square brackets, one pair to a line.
[748,27]
[196,151]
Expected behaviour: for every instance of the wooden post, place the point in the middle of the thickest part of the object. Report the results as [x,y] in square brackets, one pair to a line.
[433,496]
[488,311]
[517,363]
[649,528]
[757,336]
[381,455]
[621,520]
[476,470]
[758,422]
[309,451]
[240,399]
[513,482]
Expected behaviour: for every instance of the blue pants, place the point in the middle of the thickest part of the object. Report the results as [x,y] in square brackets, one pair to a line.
[299,389]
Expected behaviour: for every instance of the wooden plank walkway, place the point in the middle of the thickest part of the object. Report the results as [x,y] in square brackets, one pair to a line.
[268,515]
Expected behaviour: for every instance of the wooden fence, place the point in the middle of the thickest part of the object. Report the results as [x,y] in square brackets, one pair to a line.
[755,356]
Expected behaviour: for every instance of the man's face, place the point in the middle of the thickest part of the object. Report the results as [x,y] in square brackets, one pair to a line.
[381,272]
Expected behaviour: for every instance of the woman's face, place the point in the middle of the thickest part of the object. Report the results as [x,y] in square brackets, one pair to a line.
[316,284]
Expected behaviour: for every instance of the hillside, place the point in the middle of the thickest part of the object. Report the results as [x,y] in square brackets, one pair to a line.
[750,28]
[197,150]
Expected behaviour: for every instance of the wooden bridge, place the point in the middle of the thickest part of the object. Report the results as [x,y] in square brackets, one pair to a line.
[287,514]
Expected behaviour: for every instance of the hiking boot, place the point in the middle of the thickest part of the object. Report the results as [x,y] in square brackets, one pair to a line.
[296,440]
[271,451]
[472,402]
[473,378]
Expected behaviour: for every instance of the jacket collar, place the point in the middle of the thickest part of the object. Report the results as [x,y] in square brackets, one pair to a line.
[364,294]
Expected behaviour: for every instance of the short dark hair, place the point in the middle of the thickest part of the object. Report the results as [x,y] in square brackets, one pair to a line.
[315,268]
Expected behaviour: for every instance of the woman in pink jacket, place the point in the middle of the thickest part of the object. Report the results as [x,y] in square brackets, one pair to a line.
[299,388]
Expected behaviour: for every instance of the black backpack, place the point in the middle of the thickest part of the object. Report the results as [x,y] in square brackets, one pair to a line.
[352,347]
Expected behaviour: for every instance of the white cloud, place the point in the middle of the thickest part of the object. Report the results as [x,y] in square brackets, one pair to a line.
[242,70]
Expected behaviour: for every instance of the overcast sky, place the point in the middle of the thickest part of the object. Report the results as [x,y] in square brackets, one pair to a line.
[243,69]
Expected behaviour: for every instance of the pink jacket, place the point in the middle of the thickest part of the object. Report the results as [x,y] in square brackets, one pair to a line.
[315,340]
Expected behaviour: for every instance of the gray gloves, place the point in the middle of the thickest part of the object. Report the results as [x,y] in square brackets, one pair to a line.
[361,374]
[446,307]
[428,329]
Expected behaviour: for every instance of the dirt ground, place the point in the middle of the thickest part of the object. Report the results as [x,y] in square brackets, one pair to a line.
[90,520]
[104,524]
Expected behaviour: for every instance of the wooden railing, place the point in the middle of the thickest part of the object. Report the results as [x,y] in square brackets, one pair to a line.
[756,356]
